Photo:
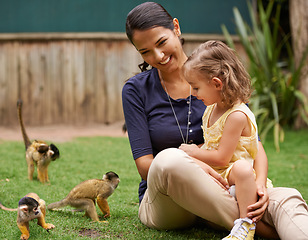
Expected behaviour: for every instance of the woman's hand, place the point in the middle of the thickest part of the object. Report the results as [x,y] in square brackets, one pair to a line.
[216,177]
[256,210]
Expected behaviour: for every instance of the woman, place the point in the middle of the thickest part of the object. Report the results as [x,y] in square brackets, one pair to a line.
[160,115]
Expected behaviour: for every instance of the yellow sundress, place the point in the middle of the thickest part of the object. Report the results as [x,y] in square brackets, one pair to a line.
[247,146]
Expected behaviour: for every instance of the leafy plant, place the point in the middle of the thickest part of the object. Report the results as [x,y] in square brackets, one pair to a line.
[275,82]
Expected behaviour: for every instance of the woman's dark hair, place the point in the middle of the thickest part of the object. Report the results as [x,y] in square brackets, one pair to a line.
[146,16]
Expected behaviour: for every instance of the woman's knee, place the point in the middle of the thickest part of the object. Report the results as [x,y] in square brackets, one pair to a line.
[169,162]
[169,158]
[282,194]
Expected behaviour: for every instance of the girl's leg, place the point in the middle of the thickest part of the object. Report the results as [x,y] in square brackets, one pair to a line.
[179,190]
[242,176]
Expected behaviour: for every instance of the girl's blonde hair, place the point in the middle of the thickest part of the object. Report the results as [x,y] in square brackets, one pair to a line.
[216,59]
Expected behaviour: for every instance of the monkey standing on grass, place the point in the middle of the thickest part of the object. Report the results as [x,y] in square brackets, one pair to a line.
[30,207]
[37,152]
[84,194]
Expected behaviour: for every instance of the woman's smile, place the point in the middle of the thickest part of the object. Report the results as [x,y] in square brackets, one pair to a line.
[165,61]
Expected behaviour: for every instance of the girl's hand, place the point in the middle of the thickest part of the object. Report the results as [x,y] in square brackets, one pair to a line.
[190,149]
[256,210]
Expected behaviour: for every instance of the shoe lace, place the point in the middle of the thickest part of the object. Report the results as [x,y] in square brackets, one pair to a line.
[239,230]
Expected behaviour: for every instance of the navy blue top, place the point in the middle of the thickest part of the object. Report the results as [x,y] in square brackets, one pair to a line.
[150,121]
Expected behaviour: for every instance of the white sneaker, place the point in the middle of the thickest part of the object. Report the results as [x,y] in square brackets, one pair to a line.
[243,229]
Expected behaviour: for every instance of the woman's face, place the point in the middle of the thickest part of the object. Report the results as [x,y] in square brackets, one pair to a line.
[160,47]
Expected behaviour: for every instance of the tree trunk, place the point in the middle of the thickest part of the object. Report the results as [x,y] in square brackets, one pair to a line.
[299,31]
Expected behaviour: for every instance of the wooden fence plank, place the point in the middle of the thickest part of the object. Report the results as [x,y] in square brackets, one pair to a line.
[100,85]
[11,83]
[74,79]
[68,84]
[90,80]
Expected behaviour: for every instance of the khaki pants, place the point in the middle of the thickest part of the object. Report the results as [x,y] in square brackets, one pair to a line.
[179,192]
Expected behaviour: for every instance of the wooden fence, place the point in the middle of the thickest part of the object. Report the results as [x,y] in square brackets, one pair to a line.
[71,78]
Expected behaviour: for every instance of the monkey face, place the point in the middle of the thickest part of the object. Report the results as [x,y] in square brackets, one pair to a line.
[55,151]
[36,210]
[113,177]
[28,213]
[45,151]
[29,208]
[110,175]
[52,152]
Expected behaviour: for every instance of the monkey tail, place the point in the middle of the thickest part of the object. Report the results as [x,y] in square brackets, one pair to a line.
[23,130]
[7,209]
[60,204]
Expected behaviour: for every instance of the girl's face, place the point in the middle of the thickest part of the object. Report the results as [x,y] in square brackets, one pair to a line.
[205,89]
[160,47]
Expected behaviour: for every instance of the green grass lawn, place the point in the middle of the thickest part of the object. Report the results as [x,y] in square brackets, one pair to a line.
[86,158]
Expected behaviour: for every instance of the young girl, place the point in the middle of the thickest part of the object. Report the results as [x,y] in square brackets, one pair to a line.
[230,133]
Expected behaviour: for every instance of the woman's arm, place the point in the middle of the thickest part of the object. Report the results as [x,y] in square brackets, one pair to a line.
[143,164]
[136,119]
[261,166]
[256,210]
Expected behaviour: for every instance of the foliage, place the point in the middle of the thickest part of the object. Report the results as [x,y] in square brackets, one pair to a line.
[275,82]
[86,158]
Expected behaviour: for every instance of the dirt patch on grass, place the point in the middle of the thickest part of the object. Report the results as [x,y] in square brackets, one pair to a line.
[93,233]
[96,233]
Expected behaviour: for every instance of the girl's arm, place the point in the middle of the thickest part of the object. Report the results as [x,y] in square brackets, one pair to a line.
[235,125]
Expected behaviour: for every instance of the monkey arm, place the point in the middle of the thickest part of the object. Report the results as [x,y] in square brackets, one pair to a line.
[24,228]
[41,219]
[43,224]
[103,206]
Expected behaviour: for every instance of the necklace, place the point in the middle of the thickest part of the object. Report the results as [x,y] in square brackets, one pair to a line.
[176,119]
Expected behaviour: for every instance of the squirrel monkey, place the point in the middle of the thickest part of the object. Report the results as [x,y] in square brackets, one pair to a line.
[84,194]
[37,152]
[30,207]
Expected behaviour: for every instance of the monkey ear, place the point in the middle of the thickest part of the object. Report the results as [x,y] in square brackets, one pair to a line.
[24,208]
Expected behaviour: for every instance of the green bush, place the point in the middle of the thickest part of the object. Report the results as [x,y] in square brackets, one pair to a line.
[276,95]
